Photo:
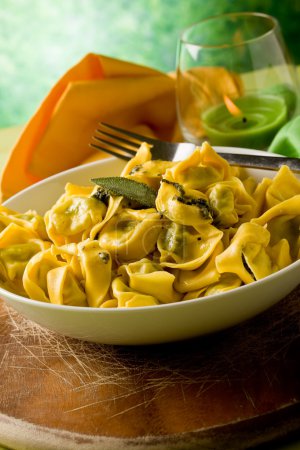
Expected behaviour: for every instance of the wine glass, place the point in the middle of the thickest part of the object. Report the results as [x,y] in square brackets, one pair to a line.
[236,85]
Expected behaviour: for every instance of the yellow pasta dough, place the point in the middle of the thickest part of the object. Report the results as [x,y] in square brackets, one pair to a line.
[74,214]
[148,277]
[131,234]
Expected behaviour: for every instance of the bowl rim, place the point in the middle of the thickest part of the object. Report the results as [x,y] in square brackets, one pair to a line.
[182,303]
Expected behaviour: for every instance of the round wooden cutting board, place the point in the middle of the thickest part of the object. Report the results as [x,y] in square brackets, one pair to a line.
[231,390]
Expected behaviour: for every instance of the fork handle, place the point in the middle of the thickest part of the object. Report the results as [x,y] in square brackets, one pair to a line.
[261,161]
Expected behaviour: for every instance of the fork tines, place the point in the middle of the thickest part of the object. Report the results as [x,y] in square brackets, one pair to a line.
[113,140]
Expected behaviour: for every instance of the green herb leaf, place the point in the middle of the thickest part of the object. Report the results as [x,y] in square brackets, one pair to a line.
[131,189]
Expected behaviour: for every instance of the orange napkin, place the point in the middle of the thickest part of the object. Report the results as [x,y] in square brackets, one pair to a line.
[97,89]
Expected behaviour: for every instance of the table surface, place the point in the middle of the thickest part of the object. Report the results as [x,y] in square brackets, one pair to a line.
[231,390]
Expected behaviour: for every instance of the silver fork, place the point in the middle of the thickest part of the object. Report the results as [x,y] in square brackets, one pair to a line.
[124,144]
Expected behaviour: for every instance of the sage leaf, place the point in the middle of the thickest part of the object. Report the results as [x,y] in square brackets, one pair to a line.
[128,188]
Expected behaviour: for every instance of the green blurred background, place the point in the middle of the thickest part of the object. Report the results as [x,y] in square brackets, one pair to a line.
[41,39]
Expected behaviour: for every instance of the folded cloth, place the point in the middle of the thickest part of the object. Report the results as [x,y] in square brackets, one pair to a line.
[98,88]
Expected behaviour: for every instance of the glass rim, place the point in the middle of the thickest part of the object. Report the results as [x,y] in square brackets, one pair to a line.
[272,20]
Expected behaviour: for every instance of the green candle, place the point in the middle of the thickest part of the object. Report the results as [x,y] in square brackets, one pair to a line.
[253,125]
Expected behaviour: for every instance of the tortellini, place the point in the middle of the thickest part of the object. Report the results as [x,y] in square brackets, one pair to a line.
[96,267]
[29,220]
[49,276]
[127,297]
[230,202]
[209,228]
[36,274]
[74,215]
[205,275]
[182,206]
[200,170]
[64,289]
[131,234]
[17,246]
[283,222]
[285,185]
[246,254]
[187,248]
[148,277]
[226,282]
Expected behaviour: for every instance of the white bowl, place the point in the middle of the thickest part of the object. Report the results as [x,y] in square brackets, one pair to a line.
[152,324]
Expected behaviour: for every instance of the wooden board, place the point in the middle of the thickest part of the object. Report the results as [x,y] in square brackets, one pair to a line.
[234,389]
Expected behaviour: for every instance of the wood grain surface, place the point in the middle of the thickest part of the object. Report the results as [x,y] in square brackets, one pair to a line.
[231,390]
